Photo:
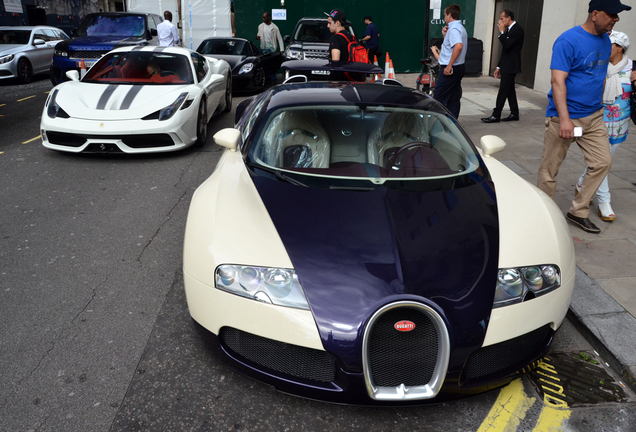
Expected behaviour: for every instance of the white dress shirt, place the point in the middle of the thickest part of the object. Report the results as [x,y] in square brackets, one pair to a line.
[168,34]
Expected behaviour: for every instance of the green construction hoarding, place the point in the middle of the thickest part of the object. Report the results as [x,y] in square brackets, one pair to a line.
[402,25]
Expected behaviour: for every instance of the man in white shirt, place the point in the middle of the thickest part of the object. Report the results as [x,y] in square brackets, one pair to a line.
[269,34]
[167,32]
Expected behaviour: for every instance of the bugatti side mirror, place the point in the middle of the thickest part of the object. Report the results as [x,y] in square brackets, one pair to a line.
[228,138]
[491,144]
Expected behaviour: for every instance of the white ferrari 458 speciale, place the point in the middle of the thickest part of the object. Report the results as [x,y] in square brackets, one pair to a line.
[137,100]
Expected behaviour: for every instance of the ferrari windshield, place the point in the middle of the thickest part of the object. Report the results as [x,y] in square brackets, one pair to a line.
[224,47]
[113,25]
[141,67]
[364,143]
[16,37]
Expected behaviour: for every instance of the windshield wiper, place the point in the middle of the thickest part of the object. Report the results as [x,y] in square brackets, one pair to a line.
[279,175]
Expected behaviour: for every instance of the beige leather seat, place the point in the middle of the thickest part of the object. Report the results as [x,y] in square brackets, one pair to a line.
[298,140]
[398,129]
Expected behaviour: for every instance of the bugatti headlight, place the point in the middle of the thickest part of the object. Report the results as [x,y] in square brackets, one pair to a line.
[269,285]
[169,111]
[7,58]
[53,110]
[293,54]
[518,284]
[246,68]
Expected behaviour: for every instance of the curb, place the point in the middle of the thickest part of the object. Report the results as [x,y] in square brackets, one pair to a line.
[605,324]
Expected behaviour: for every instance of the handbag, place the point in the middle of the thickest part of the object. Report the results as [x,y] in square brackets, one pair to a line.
[632,99]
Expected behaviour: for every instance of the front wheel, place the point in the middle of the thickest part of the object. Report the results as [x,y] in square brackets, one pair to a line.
[259,79]
[202,124]
[228,95]
[25,72]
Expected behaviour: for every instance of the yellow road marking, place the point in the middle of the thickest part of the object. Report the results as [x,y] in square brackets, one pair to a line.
[510,408]
[555,412]
[552,418]
[32,139]
[1,105]
[28,97]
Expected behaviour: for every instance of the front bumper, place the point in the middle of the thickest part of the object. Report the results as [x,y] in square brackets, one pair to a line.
[9,70]
[122,136]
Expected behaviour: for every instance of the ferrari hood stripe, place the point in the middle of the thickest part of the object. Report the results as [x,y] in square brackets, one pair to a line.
[130,96]
[103,100]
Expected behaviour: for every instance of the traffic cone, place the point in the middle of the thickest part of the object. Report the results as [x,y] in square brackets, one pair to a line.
[375,63]
[82,69]
[391,70]
[386,65]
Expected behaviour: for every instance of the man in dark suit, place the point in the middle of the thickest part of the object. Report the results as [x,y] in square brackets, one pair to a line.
[511,38]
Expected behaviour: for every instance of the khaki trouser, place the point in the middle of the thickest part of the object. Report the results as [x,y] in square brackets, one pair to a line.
[595,147]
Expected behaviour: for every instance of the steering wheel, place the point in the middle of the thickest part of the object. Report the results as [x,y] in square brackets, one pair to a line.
[404,134]
[309,38]
[393,162]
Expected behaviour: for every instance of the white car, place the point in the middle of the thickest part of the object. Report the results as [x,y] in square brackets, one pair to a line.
[137,100]
[353,246]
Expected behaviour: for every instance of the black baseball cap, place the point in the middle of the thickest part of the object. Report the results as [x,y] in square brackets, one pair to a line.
[607,6]
[337,15]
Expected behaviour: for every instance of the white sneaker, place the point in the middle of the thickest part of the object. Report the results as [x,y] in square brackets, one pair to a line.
[605,212]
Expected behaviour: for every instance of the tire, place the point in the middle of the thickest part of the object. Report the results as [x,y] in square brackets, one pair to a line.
[25,71]
[202,124]
[259,79]
[228,95]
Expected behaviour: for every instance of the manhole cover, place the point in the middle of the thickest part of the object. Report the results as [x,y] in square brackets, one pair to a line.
[571,379]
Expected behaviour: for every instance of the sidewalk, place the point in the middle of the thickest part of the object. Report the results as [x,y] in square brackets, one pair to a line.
[604,300]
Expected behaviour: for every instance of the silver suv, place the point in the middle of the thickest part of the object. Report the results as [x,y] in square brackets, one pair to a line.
[310,40]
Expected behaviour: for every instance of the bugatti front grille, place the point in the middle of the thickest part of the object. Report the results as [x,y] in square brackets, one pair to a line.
[294,360]
[508,356]
[405,364]
[86,55]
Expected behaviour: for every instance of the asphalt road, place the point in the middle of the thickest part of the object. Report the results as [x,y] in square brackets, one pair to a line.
[94,329]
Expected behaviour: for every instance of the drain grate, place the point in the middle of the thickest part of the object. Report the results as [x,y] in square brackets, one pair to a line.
[571,379]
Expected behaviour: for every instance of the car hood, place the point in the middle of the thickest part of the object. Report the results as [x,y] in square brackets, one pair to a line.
[233,60]
[11,49]
[115,102]
[356,251]
[319,46]
[103,42]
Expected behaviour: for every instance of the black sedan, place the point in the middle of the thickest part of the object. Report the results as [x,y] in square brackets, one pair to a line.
[250,66]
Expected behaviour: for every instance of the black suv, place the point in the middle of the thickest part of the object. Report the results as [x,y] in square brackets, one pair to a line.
[99,33]
[310,41]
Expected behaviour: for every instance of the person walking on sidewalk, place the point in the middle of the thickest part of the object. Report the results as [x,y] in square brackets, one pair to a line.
[511,37]
[269,35]
[448,89]
[371,38]
[575,111]
[616,113]
[167,32]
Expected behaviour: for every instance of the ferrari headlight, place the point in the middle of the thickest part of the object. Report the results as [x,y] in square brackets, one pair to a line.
[7,58]
[293,54]
[515,285]
[60,52]
[269,285]
[53,110]
[169,111]
[246,68]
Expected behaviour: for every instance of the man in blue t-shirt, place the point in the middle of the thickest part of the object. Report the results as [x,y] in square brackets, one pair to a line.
[575,110]
[371,38]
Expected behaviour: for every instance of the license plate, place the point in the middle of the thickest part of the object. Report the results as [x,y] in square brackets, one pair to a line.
[88,64]
[320,72]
